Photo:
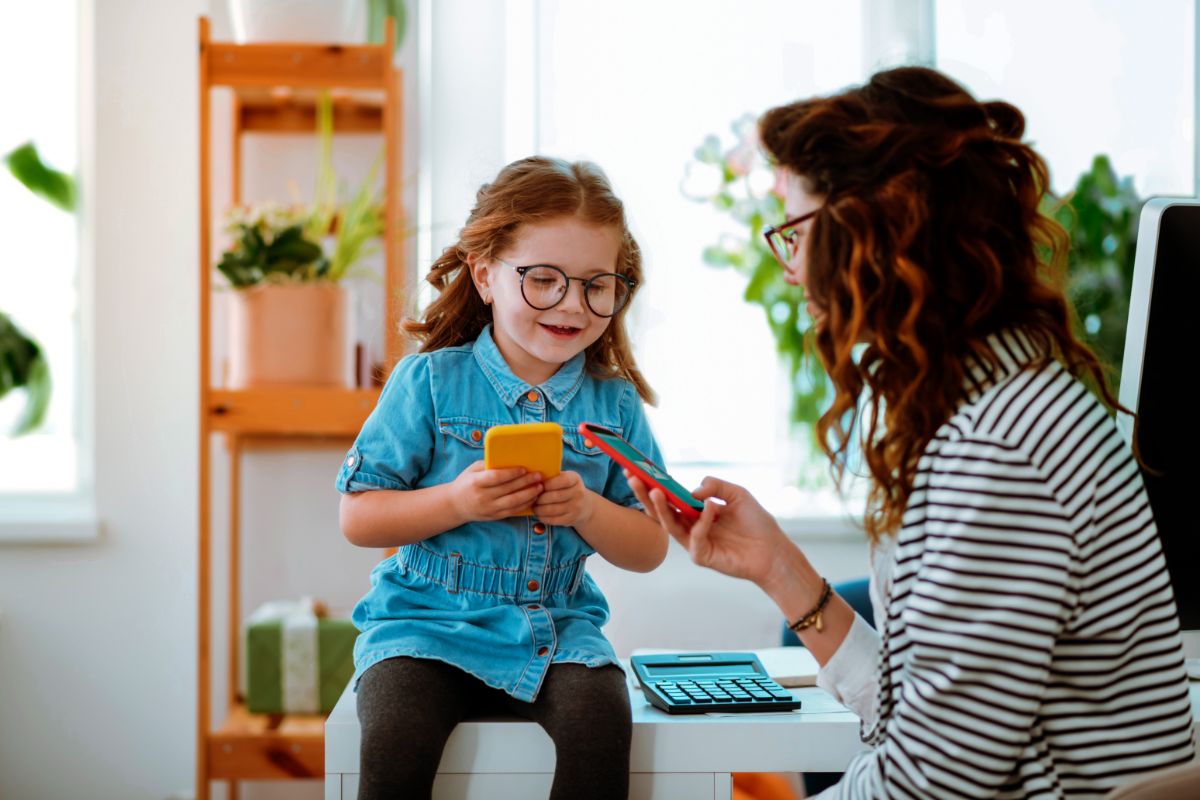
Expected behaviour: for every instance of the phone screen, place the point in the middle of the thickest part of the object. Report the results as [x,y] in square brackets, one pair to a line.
[649,467]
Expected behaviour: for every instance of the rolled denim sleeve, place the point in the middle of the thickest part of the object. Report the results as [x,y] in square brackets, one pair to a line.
[394,449]
[636,430]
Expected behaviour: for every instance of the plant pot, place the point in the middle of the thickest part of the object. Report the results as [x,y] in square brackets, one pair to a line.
[297,20]
[288,335]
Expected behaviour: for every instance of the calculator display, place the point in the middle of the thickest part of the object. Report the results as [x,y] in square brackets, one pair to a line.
[693,670]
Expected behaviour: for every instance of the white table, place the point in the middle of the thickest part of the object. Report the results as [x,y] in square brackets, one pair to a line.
[686,757]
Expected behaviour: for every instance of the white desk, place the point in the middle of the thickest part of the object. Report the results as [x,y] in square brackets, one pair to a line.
[685,757]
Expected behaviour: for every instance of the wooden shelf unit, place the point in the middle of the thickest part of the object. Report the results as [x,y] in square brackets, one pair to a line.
[275,88]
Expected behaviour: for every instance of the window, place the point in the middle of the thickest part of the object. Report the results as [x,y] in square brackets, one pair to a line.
[636,87]
[41,473]
[1091,76]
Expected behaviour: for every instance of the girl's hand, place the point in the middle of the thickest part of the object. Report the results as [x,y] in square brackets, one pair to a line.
[490,494]
[738,538]
[564,501]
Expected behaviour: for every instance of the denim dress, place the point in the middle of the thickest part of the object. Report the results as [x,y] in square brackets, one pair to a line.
[502,600]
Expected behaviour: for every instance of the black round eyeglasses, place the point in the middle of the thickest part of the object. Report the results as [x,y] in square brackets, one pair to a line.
[544,286]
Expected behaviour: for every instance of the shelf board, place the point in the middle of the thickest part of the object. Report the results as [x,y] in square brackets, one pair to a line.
[299,411]
[286,110]
[362,66]
[267,746]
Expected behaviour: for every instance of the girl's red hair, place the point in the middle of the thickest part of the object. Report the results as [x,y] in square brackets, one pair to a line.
[526,192]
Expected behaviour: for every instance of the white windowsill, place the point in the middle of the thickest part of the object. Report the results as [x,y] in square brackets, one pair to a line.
[29,520]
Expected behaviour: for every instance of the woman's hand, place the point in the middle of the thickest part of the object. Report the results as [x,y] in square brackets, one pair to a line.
[738,538]
[564,501]
[491,494]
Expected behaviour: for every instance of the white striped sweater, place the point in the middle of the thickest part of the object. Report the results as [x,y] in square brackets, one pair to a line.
[1030,645]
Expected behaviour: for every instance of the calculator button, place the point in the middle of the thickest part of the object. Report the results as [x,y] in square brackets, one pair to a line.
[701,699]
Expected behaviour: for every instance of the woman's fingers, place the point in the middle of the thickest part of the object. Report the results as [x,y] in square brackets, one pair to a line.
[715,487]
[667,517]
[699,544]
[642,494]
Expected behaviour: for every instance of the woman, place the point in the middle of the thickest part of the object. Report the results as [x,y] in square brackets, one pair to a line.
[1029,643]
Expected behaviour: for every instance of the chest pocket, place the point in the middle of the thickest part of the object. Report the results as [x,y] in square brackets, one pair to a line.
[464,431]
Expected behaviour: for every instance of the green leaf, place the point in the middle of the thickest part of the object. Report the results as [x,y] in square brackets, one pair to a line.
[26,166]
[378,11]
[23,366]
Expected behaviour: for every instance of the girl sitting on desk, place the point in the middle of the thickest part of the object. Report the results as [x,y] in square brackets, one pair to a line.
[1028,639]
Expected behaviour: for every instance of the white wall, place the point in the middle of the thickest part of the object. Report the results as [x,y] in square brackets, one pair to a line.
[97,648]
[97,642]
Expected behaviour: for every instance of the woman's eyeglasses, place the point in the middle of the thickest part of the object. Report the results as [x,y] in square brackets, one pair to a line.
[784,239]
[544,286]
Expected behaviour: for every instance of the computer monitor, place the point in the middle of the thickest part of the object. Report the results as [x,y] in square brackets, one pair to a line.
[1161,359]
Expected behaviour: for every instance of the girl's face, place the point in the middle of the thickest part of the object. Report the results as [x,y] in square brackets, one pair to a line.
[799,199]
[536,343]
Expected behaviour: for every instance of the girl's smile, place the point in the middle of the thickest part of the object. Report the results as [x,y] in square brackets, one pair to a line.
[562,331]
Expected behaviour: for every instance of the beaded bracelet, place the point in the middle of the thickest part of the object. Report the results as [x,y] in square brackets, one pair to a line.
[814,617]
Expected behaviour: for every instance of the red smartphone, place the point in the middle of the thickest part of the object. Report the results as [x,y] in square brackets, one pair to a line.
[654,476]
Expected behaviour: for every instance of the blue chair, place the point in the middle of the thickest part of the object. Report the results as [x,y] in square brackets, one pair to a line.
[858,594]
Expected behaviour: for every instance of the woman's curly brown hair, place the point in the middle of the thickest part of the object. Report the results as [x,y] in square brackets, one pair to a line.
[929,240]
[529,191]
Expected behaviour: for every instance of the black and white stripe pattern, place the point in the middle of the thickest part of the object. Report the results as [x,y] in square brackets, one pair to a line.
[1031,646]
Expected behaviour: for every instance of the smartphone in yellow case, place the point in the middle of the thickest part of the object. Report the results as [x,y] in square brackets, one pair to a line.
[536,446]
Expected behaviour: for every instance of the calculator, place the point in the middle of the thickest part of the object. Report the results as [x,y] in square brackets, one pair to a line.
[699,683]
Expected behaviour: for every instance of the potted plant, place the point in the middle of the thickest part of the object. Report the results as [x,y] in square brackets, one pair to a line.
[314,20]
[288,316]
[23,364]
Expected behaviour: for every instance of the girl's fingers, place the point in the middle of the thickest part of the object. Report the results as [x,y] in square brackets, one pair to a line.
[552,496]
[499,477]
[546,511]
[523,498]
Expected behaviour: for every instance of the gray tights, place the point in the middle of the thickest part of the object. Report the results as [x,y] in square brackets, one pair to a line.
[407,708]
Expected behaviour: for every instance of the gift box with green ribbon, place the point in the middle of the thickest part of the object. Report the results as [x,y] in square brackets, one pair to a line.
[298,661]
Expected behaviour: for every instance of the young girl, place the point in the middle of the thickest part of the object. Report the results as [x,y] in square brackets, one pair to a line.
[481,609]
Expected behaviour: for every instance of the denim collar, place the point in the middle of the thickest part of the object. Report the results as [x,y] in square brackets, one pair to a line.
[559,389]
[1012,349]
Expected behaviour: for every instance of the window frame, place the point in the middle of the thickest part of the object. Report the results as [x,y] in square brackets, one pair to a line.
[29,517]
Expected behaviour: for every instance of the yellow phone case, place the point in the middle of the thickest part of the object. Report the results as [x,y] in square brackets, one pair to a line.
[536,446]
